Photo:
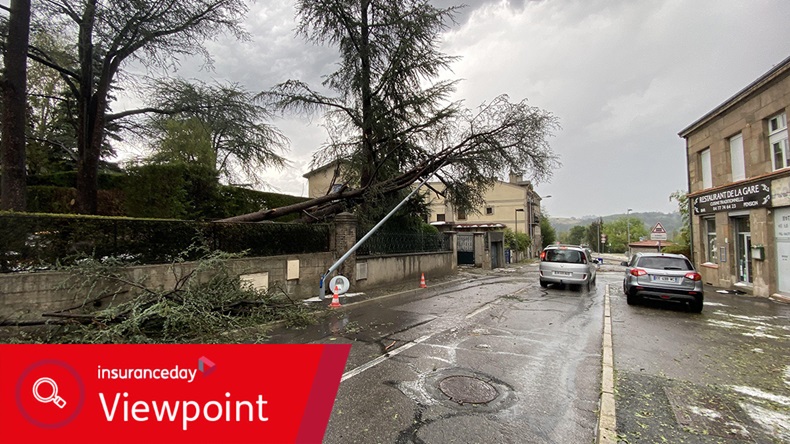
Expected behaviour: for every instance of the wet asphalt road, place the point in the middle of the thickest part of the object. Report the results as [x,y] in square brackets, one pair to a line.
[488,359]
[493,358]
[717,377]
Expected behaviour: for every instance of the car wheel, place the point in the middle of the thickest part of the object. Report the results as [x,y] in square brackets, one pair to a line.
[632,299]
[696,306]
[543,283]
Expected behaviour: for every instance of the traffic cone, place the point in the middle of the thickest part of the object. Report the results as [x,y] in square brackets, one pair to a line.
[335,298]
[422,281]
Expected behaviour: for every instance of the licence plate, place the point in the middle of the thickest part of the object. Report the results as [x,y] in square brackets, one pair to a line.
[563,273]
[664,279]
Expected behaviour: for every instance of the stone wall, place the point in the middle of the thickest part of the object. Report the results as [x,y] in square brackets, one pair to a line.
[25,296]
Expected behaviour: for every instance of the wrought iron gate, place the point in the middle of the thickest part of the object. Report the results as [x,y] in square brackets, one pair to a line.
[466,249]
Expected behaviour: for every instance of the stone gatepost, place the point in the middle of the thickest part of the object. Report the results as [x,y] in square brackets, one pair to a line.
[480,250]
[343,238]
[454,244]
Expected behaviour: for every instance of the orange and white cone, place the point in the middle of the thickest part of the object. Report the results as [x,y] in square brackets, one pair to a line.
[422,281]
[335,298]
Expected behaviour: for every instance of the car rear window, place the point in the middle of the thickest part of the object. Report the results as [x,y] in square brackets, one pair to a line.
[665,263]
[566,256]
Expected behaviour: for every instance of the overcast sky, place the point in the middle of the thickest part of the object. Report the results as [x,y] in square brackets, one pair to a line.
[623,76]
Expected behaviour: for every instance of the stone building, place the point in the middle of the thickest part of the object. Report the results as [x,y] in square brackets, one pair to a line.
[739,188]
[513,204]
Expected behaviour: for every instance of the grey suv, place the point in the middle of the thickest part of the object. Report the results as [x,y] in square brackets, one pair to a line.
[567,264]
[665,277]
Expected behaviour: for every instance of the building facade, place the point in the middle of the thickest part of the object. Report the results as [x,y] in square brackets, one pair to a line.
[513,204]
[739,188]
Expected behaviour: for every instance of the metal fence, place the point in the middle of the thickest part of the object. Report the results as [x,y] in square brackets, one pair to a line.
[31,242]
[395,243]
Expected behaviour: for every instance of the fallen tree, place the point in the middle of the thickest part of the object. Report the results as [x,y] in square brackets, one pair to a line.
[472,150]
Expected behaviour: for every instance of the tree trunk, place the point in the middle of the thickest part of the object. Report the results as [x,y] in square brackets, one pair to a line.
[367,176]
[88,163]
[14,189]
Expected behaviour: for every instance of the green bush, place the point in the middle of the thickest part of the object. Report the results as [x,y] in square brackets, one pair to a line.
[677,249]
[31,241]
[163,191]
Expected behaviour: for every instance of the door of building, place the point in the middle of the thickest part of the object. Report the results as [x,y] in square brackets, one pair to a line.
[466,248]
[782,235]
[743,249]
[496,252]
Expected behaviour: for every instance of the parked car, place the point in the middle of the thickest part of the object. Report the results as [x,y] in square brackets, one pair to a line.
[567,264]
[664,277]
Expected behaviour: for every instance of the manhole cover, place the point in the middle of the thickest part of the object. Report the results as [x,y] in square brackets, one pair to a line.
[468,390]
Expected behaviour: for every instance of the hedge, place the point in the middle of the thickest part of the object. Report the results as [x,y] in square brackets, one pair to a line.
[34,241]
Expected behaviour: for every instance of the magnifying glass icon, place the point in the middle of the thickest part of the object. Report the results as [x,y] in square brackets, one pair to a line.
[53,398]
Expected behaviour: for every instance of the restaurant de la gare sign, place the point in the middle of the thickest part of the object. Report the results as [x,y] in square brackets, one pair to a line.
[739,197]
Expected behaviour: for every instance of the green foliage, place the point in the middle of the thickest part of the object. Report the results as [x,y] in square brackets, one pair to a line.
[409,218]
[234,201]
[171,191]
[547,233]
[390,117]
[517,241]
[594,235]
[617,233]
[111,35]
[578,235]
[206,304]
[167,191]
[50,199]
[683,240]
[31,241]
[222,126]
[677,249]
[184,141]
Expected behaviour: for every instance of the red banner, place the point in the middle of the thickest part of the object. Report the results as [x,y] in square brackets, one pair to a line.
[170,394]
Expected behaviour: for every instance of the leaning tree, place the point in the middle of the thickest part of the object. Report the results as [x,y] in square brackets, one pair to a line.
[391,122]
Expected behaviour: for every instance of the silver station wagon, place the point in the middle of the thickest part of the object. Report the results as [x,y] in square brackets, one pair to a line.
[567,264]
[661,276]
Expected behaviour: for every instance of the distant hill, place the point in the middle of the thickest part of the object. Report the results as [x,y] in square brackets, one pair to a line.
[670,221]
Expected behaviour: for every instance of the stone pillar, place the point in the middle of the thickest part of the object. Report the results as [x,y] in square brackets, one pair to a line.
[454,245]
[343,238]
[480,250]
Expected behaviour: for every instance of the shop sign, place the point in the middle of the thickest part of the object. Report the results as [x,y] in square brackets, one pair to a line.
[741,197]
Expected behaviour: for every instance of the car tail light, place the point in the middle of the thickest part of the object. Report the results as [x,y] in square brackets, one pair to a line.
[638,272]
[542,255]
[694,276]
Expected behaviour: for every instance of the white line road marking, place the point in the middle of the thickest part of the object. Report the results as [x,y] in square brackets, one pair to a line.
[382,358]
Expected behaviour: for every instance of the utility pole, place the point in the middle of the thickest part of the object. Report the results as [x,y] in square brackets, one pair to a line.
[599,237]
[628,230]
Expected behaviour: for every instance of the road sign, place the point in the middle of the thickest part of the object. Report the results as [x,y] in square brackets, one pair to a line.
[658,232]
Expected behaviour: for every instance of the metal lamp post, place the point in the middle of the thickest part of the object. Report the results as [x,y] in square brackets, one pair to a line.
[628,230]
